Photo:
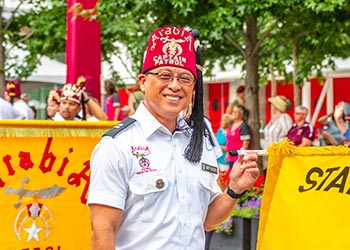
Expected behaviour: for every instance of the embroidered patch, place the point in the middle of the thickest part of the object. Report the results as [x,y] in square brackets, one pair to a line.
[209,168]
[140,152]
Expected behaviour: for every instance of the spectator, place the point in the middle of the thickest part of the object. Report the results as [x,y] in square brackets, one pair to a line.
[238,134]
[342,109]
[7,112]
[53,103]
[13,95]
[240,99]
[26,98]
[135,98]
[330,134]
[301,133]
[112,102]
[225,123]
[125,111]
[277,128]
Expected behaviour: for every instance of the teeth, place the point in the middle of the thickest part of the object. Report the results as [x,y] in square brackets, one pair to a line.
[172,98]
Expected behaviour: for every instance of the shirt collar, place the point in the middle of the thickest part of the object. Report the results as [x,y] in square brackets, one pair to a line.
[150,124]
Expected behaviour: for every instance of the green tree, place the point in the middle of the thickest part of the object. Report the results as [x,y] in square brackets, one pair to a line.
[28,33]
[235,32]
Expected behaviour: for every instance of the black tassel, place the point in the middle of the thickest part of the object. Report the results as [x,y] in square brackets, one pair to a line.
[194,149]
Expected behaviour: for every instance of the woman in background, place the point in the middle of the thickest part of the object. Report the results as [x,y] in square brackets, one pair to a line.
[53,103]
[277,128]
[225,123]
[238,134]
[135,98]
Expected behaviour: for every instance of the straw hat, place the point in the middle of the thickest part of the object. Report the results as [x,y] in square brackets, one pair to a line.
[280,102]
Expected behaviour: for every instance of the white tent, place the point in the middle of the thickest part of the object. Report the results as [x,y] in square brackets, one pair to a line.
[49,70]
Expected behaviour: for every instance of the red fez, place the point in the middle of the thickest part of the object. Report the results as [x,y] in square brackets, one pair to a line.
[13,88]
[54,96]
[170,46]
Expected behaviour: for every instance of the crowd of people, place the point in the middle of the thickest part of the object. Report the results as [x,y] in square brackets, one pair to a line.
[234,133]
[69,103]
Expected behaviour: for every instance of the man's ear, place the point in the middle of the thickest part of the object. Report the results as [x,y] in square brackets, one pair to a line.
[142,80]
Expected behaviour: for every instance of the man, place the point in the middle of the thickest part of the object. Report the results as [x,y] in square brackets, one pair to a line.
[154,178]
[13,95]
[70,104]
[7,112]
[301,133]
[26,98]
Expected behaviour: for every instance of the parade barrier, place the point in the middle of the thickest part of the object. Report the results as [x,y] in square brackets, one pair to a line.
[306,199]
[44,179]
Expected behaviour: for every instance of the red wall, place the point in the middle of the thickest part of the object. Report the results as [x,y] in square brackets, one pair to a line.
[218,100]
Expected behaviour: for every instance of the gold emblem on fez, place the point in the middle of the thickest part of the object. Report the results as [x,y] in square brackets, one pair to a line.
[173,47]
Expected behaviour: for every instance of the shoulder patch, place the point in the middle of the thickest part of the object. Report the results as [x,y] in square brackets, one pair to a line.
[119,127]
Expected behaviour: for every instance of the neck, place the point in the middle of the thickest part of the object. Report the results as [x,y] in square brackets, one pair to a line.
[300,123]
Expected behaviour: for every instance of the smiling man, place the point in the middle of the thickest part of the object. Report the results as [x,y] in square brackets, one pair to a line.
[153,177]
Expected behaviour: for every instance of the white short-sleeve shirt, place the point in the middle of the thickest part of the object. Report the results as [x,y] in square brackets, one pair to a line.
[165,198]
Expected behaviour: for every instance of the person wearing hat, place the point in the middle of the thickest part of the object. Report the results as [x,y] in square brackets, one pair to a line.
[72,100]
[301,133]
[13,95]
[53,103]
[280,123]
[153,182]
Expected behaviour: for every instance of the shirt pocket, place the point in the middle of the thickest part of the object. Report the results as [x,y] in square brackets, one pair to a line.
[147,191]
[207,187]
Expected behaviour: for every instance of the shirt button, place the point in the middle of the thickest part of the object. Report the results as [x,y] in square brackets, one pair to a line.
[159,183]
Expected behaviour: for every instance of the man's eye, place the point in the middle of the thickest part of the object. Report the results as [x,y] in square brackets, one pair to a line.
[165,76]
[185,78]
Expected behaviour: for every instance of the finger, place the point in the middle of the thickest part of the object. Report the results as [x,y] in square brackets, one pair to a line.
[250,156]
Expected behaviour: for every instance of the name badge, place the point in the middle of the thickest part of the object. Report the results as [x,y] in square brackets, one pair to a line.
[208,168]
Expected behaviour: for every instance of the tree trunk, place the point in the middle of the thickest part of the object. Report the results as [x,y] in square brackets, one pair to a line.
[252,81]
[297,99]
[273,83]
[2,56]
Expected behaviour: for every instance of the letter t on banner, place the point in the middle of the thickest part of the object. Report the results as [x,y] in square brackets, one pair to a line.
[83,47]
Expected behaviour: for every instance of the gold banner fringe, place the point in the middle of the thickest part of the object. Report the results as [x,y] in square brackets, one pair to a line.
[287,148]
[46,128]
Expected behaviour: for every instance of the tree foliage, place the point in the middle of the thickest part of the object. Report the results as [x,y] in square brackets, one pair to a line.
[239,32]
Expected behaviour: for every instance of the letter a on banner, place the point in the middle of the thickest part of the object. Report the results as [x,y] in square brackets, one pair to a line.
[306,200]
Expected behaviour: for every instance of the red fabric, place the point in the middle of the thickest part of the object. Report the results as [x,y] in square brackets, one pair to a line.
[13,89]
[83,47]
[71,92]
[171,46]
[55,96]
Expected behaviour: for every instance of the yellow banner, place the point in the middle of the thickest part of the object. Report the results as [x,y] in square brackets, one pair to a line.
[306,199]
[44,179]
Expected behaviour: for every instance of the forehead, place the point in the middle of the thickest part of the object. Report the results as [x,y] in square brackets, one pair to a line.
[69,102]
[300,110]
[173,70]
